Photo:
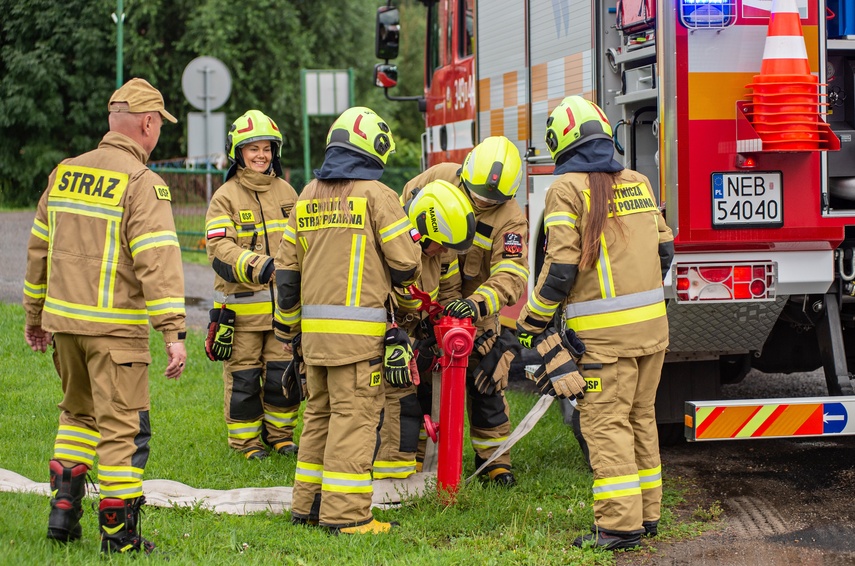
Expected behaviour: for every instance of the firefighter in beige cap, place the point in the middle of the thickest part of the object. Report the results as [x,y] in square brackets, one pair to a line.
[607,250]
[494,274]
[346,244]
[245,222]
[104,262]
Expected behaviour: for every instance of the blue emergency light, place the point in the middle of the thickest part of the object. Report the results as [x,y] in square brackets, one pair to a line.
[707,14]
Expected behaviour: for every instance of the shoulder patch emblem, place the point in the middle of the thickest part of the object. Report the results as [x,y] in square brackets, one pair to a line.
[162,192]
[414,234]
[513,243]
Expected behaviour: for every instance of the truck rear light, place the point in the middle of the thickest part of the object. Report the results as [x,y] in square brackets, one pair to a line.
[718,282]
[715,274]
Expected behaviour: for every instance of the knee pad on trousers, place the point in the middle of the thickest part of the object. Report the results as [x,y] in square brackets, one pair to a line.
[141,441]
[246,395]
[274,389]
[411,422]
[488,411]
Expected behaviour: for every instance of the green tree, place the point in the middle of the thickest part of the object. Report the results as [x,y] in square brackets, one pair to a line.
[153,50]
[56,63]
[265,43]
[57,71]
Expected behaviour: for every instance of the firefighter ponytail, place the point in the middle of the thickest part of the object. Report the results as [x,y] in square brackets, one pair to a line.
[602,201]
[330,193]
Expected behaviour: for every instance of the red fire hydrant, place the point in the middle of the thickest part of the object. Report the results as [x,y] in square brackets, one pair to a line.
[455,337]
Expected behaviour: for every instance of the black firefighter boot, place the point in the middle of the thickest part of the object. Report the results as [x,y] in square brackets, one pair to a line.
[67,488]
[119,521]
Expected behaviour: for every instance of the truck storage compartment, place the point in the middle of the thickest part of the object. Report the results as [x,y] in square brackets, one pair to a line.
[635,15]
[638,79]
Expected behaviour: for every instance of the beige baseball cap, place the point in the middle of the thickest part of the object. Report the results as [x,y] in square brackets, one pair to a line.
[137,96]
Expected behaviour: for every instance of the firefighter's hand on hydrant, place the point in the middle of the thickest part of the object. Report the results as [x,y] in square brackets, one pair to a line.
[462,308]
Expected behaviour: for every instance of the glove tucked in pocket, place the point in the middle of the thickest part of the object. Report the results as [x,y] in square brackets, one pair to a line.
[296,369]
[221,334]
[559,376]
[396,361]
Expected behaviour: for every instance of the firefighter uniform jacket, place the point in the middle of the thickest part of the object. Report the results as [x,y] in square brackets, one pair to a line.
[335,272]
[103,256]
[244,227]
[617,308]
[495,270]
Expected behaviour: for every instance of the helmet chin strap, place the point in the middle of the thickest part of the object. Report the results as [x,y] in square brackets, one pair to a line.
[239,156]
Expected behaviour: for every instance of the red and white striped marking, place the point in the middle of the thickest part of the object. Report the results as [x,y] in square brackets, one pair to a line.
[785,52]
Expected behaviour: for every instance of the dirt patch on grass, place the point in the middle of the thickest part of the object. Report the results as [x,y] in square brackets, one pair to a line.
[769,502]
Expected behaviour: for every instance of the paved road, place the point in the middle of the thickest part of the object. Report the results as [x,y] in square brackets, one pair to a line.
[14,235]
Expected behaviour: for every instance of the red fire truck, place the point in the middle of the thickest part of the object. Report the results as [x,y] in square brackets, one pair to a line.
[764,271]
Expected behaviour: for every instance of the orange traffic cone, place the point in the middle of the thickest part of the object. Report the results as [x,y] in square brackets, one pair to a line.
[785,53]
[786,93]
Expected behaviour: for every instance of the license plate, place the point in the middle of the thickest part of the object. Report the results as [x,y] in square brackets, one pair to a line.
[744,200]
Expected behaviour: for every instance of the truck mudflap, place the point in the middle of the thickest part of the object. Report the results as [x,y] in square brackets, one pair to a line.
[769,418]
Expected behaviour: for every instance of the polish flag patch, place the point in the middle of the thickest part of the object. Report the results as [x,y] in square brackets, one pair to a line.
[414,234]
[216,233]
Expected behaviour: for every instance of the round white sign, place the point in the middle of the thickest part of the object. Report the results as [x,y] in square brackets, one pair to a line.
[206,79]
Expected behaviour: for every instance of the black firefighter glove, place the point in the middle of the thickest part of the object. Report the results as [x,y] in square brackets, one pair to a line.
[559,376]
[221,334]
[396,361]
[491,374]
[462,308]
[425,348]
[295,373]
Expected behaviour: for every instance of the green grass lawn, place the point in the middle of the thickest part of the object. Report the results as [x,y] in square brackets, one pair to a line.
[533,523]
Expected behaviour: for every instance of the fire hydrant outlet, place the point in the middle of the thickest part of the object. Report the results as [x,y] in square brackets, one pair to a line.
[432,429]
[458,343]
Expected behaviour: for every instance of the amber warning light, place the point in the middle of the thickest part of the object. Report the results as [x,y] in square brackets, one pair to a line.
[717,282]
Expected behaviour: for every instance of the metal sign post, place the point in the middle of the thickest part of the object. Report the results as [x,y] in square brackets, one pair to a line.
[207,84]
[119,19]
[326,92]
